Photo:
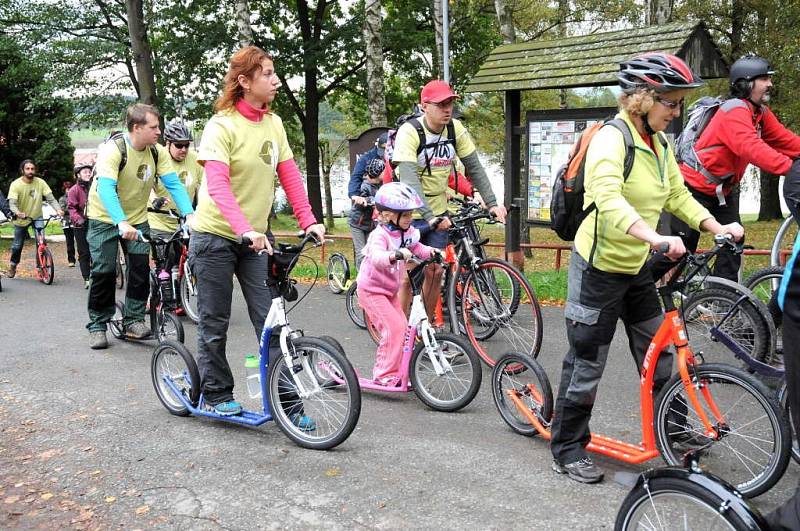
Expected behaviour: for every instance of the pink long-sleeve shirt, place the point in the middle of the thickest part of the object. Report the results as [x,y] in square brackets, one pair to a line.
[219,184]
[378,273]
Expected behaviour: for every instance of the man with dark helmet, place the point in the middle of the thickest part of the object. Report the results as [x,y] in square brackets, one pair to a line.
[743,131]
[184,160]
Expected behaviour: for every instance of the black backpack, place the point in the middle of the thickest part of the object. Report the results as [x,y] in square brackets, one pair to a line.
[566,202]
[415,119]
[119,139]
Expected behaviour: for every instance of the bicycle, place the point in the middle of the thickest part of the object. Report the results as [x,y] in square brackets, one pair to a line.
[716,405]
[45,266]
[310,378]
[687,498]
[442,369]
[338,273]
[162,300]
[186,283]
[487,297]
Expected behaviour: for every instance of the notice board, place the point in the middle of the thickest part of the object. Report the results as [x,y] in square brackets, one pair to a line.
[551,134]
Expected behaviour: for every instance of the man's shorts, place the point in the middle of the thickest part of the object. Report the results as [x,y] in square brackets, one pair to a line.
[432,238]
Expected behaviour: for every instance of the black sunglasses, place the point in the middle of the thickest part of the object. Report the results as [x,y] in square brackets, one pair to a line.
[181,145]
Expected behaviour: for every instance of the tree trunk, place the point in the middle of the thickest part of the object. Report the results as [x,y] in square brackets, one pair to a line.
[326,163]
[738,16]
[505,18]
[140,49]
[770,207]
[658,12]
[376,99]
[438,58]
[311,136]
[243,29]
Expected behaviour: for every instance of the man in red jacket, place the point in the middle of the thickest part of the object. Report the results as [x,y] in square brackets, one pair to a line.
[743,131]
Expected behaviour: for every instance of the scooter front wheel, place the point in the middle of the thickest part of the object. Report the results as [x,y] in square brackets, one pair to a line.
[461,377]
[316,400]
[173,362]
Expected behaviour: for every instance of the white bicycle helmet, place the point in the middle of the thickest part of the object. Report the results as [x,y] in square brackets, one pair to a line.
[398,197]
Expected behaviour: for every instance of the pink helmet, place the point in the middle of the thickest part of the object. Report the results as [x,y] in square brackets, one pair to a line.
[398,197]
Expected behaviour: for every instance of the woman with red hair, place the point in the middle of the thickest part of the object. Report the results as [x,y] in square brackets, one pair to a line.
[243,149]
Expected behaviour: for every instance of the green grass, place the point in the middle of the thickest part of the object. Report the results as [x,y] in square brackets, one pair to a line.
[54,227]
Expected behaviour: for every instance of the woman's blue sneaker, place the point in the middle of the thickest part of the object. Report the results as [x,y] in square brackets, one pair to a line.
[226,409]
[303,422]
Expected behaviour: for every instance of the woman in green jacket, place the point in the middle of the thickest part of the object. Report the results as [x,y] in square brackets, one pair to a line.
[608,275]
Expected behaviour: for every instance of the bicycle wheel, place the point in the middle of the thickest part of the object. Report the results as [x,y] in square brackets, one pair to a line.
[188,290]
[764,284]
[521,375]
[665,503]
[752,450]
[783,401]
[44,262]
[353,309]
[338,272]
[329,412]
[115,324]
[461,377]
[498,311]
[172,361]
[705,309]
[168,327]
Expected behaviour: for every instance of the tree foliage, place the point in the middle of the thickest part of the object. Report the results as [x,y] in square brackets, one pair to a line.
[33,124]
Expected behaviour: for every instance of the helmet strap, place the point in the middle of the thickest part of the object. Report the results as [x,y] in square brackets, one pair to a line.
[647,128]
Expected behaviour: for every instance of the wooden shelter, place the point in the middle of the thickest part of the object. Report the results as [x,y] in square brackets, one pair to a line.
[572,62]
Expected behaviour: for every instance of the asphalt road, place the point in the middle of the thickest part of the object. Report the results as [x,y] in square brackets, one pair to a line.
[85,443]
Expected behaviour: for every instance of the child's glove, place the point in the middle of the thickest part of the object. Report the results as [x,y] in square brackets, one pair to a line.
[403,254]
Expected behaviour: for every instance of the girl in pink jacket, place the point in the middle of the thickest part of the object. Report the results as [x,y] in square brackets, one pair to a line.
[381,274]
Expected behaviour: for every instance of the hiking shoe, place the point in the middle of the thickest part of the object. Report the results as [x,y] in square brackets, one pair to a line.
[137,330]
[583,470]
[72,264]
[12,270]
[303,423]
[85,284]
[97,340]
[225,409]
[689,438]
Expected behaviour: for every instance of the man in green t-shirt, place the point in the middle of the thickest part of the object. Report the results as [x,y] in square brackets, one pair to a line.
[25,197]
[427,168]
[117,212]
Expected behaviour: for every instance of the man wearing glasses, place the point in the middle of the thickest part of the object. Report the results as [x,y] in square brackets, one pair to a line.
[427,168]
[743,131]
[189,171]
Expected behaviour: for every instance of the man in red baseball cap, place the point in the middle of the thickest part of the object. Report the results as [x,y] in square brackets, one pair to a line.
[425,152]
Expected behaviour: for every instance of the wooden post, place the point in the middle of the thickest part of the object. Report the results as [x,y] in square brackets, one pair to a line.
[512,176]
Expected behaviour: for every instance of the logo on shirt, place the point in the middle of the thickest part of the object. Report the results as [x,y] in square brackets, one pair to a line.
[184,177]
[143,173]
[269,153]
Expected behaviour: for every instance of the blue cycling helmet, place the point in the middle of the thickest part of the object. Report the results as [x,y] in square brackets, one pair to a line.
[397,197]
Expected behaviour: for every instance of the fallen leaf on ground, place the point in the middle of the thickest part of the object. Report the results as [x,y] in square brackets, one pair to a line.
[47,495]
[111,499]
[142,509]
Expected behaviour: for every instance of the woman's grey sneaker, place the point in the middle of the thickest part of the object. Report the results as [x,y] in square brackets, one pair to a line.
[97,339]
[137,330]
[583,470]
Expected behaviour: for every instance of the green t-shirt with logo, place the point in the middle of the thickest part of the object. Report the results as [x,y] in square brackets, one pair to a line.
[191,175]
[134,182]
[252,151]
[440,156]
[29,198]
